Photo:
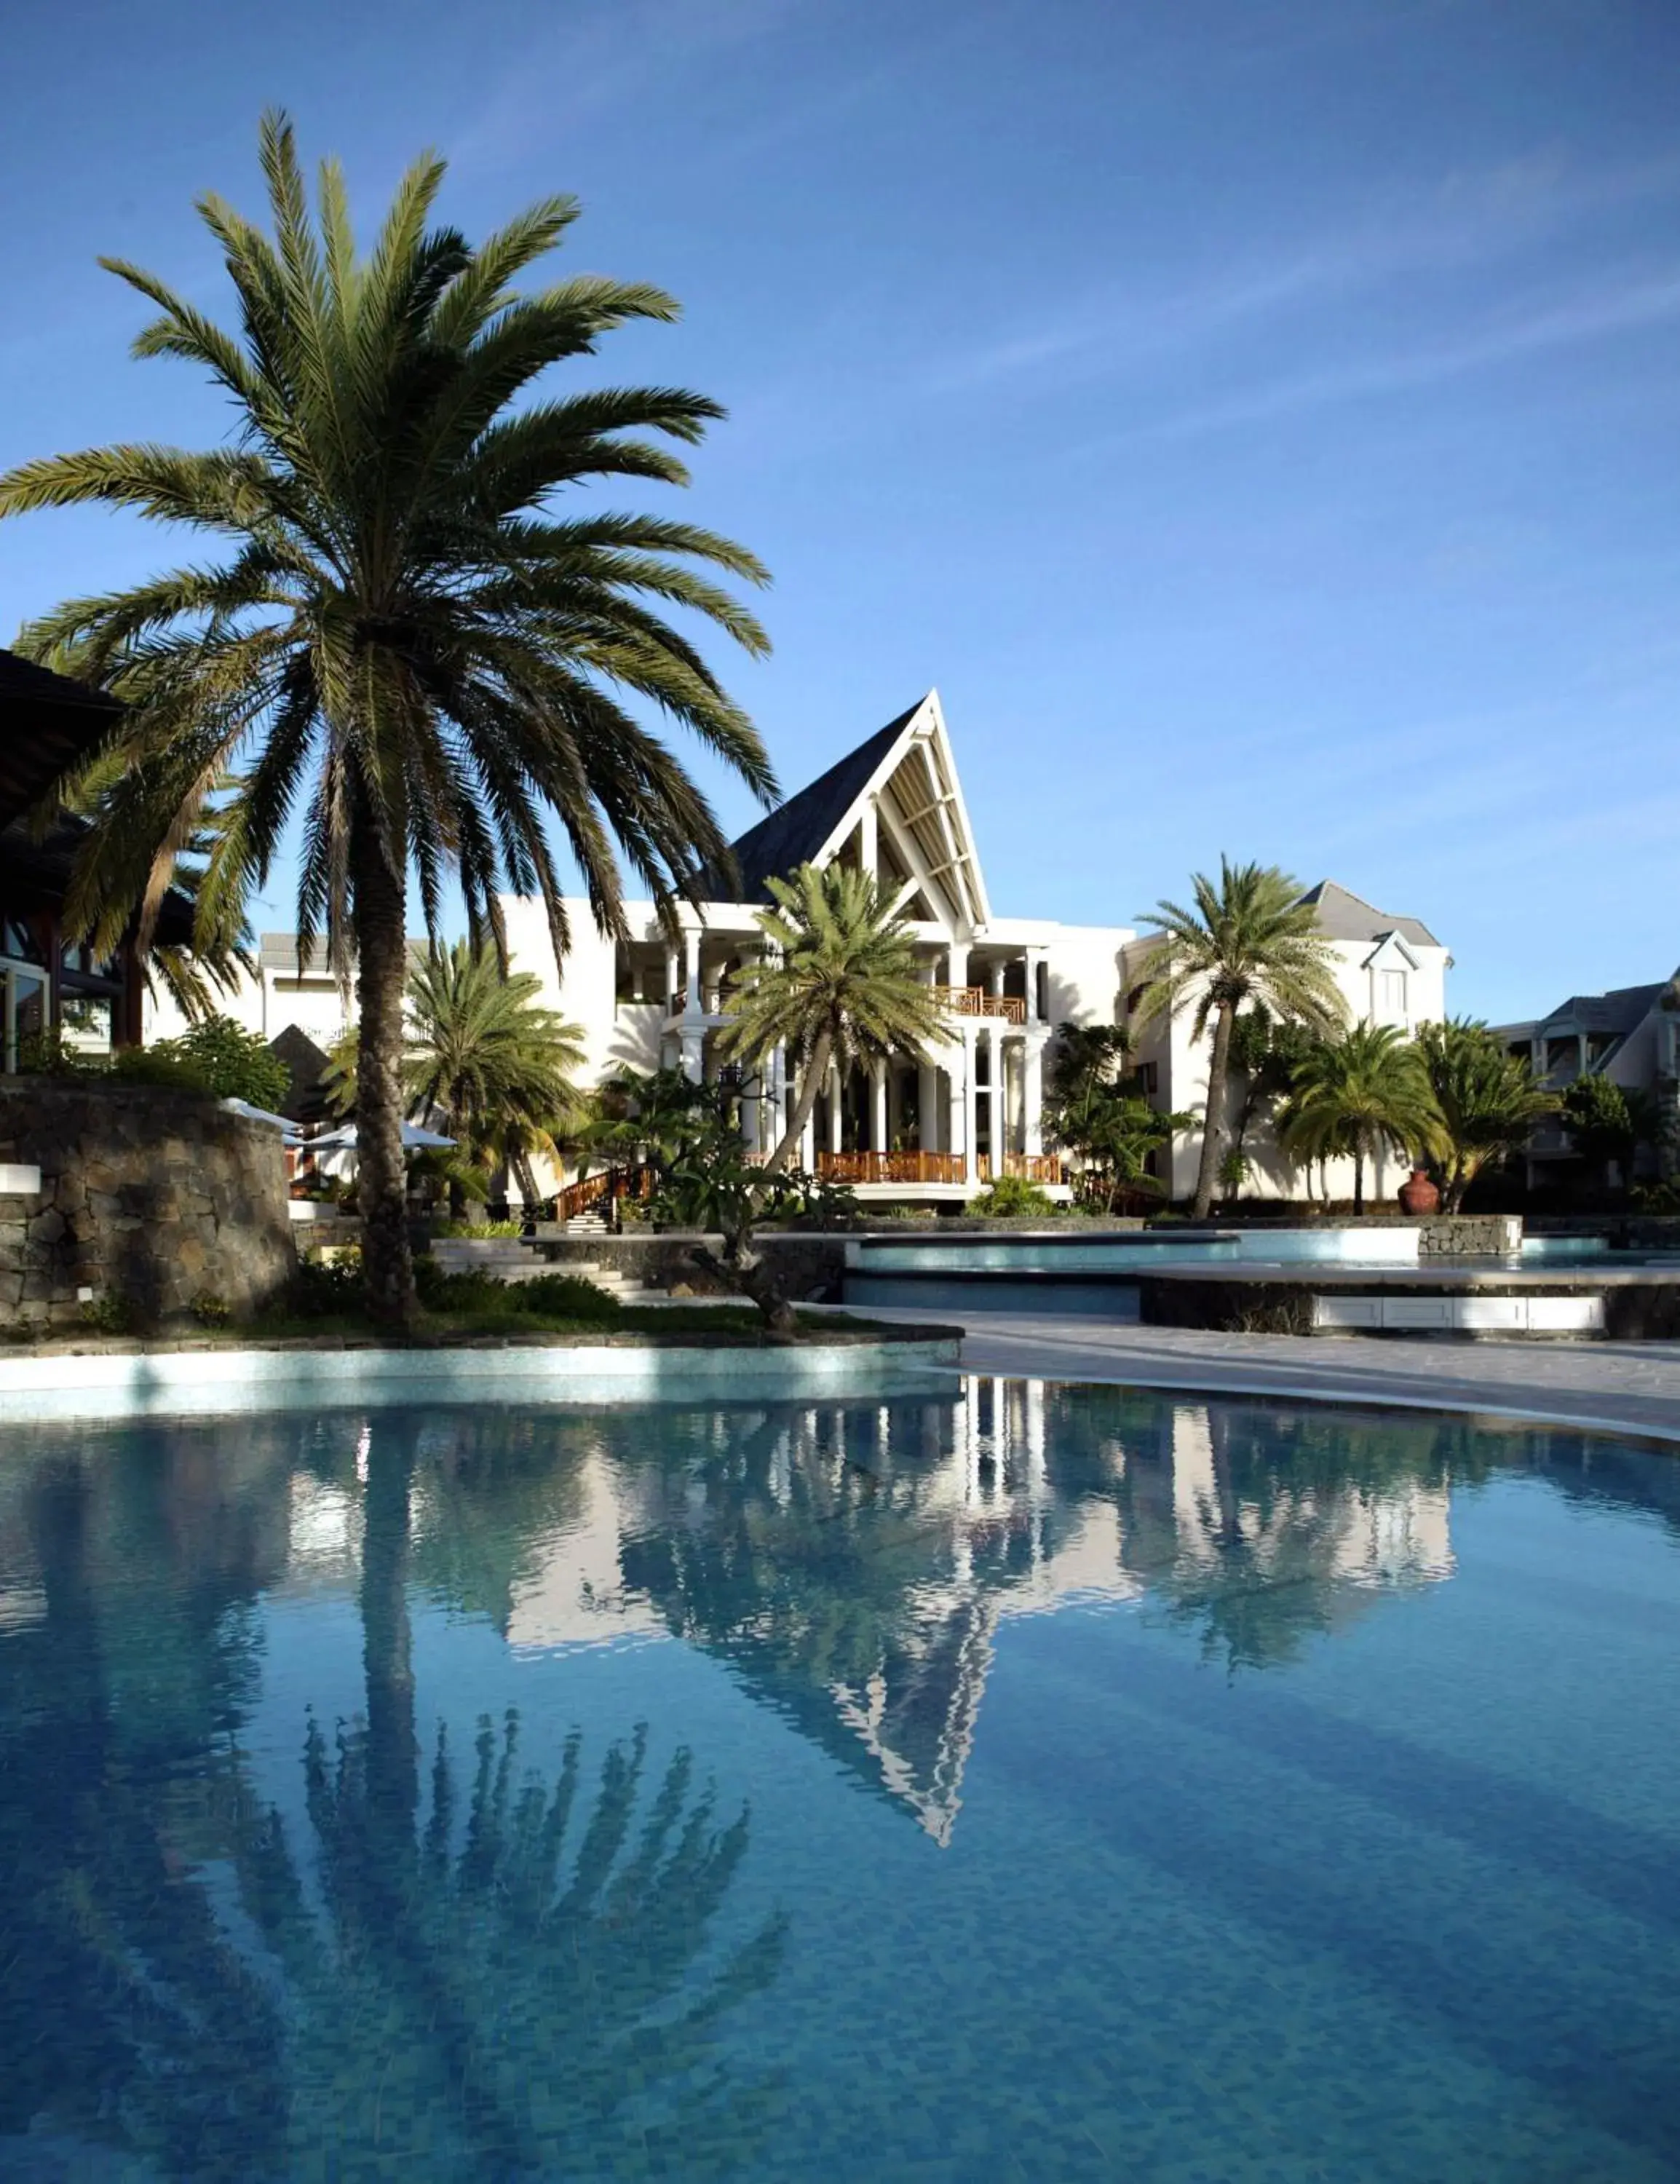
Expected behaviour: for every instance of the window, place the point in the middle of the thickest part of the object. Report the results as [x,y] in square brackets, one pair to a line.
[1148,1076]
[1393,996]
[23,1011]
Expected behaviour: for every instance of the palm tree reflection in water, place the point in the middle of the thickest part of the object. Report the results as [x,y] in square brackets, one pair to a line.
[503,1984]
[516,1975]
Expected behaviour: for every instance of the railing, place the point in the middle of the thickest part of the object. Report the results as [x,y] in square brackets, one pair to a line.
[891,1168]
[976,1001]
[607,1183]
[1031,1167]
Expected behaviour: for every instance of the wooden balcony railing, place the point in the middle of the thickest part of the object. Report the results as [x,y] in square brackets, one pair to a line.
[601,1188]
[1031,1167]
[891,1168]
[976,1001]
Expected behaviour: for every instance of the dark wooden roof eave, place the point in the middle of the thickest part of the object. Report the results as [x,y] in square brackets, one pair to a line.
[48,726]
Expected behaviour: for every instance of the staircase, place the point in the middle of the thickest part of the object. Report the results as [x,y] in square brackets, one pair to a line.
[512,1259]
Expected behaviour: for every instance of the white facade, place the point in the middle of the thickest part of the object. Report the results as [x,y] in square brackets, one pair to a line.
[935,1131]
[1390,971]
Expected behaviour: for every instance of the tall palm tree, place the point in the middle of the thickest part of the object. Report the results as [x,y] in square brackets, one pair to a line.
[496,1071]
[404,647]
[1488,1099]
[1249,939]
[1359,1093]
[838,984]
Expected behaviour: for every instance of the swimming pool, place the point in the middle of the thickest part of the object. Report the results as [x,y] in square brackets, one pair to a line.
[1048,1782]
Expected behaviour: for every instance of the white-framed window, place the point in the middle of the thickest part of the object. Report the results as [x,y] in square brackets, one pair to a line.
[1392,996]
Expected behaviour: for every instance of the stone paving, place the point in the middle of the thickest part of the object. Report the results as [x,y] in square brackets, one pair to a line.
[1631,1386]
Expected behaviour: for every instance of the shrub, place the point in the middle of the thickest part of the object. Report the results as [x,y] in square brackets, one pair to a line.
[232,1063]
[1010,1197]
[107,1314]
[210,1310]
[566,1296]
[323,1286]
[481,1229]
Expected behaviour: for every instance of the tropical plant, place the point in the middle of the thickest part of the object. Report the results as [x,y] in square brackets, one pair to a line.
[234,1063]
[1012,1198]
[405,648]
[1488,1098]
[1250,939]
[1608,1122]
[1363,1092]
[1095,1109]
[491,1068]
[1265,1053]
[837,985]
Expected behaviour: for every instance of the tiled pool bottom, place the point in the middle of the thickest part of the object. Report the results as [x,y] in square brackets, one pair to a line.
[1053,1783]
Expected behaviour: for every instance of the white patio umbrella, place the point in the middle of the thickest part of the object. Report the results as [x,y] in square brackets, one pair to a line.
[282,1122]
[343,1139]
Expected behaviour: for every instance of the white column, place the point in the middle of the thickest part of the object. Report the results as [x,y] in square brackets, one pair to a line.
[997,980]
[691,1005]
[673,978]
[870,838]
[807,1144]
[928,1107]
[693,1055]
[1032,1097]
[956,963]
[999,1093]
[1035,958]
[878,1120]
[970,1095]
[834,1108]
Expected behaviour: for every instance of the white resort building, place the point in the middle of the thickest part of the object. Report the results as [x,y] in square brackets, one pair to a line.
[931,1131]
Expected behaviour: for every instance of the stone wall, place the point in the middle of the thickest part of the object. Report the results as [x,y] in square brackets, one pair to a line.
[147,1194]
[1469,1236]
[811,1266]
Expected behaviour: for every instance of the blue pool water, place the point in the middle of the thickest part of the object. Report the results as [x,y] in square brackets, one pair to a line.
[1041,1783]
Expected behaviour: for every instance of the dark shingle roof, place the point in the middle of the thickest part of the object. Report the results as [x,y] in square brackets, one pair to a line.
[792,835]
[1616,1012]
[1343,916]
[47,724]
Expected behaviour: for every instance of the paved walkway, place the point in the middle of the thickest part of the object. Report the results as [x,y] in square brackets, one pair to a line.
[1629,1386]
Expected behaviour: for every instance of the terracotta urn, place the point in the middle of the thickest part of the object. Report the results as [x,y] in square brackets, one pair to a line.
[1420,1195]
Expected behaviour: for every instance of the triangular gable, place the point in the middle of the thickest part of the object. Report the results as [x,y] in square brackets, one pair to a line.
[1389,953]
[925,847]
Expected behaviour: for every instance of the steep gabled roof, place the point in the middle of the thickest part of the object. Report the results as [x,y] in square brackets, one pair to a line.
[1343,916]
[794,833]
[48,725]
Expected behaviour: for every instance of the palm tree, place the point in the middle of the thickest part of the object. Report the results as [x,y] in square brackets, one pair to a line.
[839,984]
[495,1070]
[1488,1099]
[1366,1091]
[1250,940]
[404,647]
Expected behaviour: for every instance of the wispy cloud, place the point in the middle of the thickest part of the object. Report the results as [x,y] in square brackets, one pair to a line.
[1469,220]
[1591,315]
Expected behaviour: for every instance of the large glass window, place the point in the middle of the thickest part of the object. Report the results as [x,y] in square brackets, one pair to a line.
[24,1004]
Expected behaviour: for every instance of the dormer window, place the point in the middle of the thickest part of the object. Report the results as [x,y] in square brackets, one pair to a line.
[1392,996]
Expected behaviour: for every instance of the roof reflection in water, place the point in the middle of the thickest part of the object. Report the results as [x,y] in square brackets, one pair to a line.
[854,1564]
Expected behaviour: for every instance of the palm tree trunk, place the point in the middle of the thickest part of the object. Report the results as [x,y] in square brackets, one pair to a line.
[382,973]
[816,1069]
[1359,1180]
[1219,1071]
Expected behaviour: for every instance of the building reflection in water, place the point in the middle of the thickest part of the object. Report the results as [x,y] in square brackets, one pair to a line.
[855,1563]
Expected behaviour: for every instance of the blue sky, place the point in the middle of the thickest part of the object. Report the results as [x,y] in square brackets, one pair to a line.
[1259,420]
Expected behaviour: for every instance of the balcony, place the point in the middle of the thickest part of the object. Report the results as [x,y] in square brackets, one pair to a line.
[1031,1167]
[891,1168]
[976,1001]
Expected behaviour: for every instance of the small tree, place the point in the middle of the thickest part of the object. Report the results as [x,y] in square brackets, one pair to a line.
[1367,1091]
[839,984]
[234,1063]
[1488,1100]
[1608,1122]
[1248,939]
